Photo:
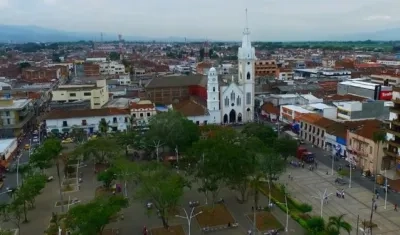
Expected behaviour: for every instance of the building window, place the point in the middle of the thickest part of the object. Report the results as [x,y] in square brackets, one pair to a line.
[141,115]
[370,149]
[84,123]
[213,89]
[115,120]
[87,94]
[248,76]
[322,133]
[96,103]
[226,101]
[301,125]
[72,94]
[232,95]
[65,123]
[197,123]
[7,113]
[248,98]
[148,114]
[238,101]
[134,115]
[8,121]
[126,119]
[205,122]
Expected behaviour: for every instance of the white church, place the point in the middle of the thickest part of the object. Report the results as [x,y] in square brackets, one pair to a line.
[234,102]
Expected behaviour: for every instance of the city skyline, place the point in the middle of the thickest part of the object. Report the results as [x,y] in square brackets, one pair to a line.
[269,20]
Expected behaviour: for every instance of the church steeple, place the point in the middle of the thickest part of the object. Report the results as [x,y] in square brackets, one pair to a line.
[246,51]
[246,34]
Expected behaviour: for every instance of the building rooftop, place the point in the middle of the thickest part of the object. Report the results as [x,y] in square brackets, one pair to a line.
[16,104]
[319,106]
[63,114]
[177,81]
[297,108]
[5,144]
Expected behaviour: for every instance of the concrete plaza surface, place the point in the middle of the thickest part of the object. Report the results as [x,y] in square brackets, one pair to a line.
[308,184]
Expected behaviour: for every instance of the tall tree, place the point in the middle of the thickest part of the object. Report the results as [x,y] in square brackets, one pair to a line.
[337,223]
[127,172]
[114,56]
[100,150]
[79,135]
[172,129]
[285,147]
[265,133]
[162,187]
[92,217]
[103,126]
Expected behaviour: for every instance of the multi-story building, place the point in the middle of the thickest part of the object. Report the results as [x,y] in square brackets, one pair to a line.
[385,80]
[391,161]
[364,152]
[350,110]
[389,62]
[41,74]
[265,68]
[59,121]
[91,69]
[284,74]
[97,94]
[16,115]
[142,111]
[313,128]
[365,89]
[112,68]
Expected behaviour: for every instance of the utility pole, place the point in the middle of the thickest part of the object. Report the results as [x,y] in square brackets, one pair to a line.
[189,217]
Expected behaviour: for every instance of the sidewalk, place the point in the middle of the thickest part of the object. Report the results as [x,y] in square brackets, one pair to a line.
[307,184]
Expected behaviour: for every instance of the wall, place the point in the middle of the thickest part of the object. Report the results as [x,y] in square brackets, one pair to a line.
[330,113]
[10,148]
[371,110]
[200,120]
[312,134]
[199,91]
[92,123]
[344,89]
[366,151]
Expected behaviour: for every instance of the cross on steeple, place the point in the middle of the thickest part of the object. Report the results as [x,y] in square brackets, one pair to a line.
[246,28]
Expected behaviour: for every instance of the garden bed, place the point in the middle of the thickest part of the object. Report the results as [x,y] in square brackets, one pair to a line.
[66,203]
[69,188]
[69,181]
[111,231]
[265,221]
[367,224]
[212,217]
[172,230]
[101,191]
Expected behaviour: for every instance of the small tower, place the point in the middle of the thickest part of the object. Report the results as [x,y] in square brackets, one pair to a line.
[206,51]
[213,96]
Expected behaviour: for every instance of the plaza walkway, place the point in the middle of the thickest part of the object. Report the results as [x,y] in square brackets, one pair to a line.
[357,202]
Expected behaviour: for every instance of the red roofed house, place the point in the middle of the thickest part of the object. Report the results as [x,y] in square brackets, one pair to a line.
[142,111]
[269,111]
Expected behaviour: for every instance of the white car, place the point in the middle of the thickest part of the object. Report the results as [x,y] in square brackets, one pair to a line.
[35,139]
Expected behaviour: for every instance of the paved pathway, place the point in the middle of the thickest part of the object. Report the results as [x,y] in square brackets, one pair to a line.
[357,202]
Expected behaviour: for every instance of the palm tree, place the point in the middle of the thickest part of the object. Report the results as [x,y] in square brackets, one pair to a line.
[337,223]
[103,126]
[379,138]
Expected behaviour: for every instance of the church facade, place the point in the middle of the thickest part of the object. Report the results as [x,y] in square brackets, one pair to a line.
[234,102]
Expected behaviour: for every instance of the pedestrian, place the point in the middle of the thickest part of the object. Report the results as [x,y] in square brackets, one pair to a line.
[375,206]
[290,175]
[249,232]
[377,195]
[395,207]
[343,193]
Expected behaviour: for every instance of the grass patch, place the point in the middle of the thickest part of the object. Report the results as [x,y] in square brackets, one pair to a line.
[68,188]
[344,172]
[212,217]
[265,221]
[69,181]
[56,221]
[172,230]
[101,191]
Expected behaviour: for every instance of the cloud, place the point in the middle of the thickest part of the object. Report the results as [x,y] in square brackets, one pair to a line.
[378,17]
[4,3]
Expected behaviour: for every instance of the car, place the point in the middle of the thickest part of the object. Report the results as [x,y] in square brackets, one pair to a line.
[340,181]
[27,147]
[67,141]
[35,139]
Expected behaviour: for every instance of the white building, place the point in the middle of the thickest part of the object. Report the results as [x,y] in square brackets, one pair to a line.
[7,147]
[142,111]
[112,68]
[389,62]
[65,121]
[124,80]
[96,59]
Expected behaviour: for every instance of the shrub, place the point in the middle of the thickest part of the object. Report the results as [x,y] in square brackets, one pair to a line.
[304,207]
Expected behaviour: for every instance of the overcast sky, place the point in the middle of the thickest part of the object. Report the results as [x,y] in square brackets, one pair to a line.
[213,19]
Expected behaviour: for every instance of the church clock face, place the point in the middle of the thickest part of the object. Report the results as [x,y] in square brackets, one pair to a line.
[213,79]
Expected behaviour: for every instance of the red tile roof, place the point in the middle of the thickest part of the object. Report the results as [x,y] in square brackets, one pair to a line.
[141,106]
[270,108]
[64,114]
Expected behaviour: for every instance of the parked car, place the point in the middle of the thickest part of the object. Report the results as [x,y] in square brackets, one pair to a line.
[340,181]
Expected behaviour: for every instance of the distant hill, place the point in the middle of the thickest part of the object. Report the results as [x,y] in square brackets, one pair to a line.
[31,33]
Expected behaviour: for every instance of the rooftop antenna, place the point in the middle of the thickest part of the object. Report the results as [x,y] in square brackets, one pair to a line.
[101,37]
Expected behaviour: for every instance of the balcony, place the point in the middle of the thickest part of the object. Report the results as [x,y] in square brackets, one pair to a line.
[394,143]
[393,131]
[387,152]
[392,174]
[396,101]
[395,122]
[394,109]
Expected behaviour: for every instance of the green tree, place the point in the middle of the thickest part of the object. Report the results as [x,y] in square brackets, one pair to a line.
[114,56]
[107,177]
[91,218]
[316,225]
[285,147]
[100,150]
[337,223]
[126,171]
[15,211]
[162,187]
[79,135]
[103,126]
[265,133]
[172,129]
[272,165]
[6,232]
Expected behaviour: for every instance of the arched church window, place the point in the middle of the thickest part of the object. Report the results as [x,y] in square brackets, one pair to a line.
[248,76]
[248,63]
[240,76]
[238,101]
[232,95]
[213,89]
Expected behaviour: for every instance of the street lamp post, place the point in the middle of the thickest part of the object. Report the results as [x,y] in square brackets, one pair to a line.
[177,158]
[322,197]
[333,163]
[189,217]
[351,168]
[18,171]
[386,189]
